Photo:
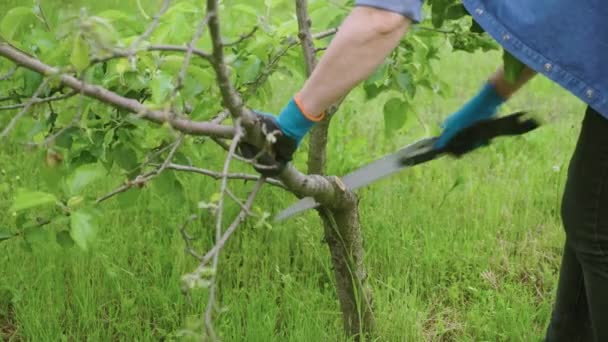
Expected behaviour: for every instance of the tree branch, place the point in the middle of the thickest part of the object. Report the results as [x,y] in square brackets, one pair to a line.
[218,229]
[9,74]
[243,37]
[36,101]
[231,98]
[109,97]
[232,228]
[145,178]
[218,175]
[150,29]
[25,110]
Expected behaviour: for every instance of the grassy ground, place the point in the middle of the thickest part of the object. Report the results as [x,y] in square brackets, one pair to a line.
[464,250]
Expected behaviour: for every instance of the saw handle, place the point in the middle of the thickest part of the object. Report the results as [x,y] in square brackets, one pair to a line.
[481,133]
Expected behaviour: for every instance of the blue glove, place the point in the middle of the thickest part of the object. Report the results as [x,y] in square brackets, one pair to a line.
[481,107]
[294,122]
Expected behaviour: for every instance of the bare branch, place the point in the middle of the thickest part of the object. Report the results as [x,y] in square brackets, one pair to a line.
[151,27]
[176,48]
[182,73]
[218,175]
[306,39]
[36,101]
[271,66]
[188,239]
[9,74]
[107,96]
[231,98]
[148,176]
[232,228]
[243,37]
[325,34]
[218,229]
[25,110]
[49,140]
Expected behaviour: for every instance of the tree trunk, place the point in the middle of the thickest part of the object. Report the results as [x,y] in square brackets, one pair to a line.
[341,225]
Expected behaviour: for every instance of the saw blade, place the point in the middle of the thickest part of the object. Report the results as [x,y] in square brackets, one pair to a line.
[371,172]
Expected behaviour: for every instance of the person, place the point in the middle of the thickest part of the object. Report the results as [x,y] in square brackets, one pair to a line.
[565,41]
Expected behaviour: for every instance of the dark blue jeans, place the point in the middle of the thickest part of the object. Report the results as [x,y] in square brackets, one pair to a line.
[581,308]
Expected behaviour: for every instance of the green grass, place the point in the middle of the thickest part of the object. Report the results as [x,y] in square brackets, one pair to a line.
[464,250]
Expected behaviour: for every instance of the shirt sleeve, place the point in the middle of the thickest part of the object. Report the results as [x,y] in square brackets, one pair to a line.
[408,8]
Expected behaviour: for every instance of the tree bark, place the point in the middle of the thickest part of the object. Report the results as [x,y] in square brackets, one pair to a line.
[341,223]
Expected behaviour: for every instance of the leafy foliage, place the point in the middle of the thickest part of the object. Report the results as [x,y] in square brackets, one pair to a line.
[95,139]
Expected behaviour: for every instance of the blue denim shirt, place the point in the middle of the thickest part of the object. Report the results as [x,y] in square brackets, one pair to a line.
[565,40]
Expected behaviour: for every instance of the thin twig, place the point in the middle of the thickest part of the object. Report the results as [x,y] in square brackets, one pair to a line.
[151,27]
[230,96]
[148,176]
[214,251]
[191,46]
[218,175]
[25,110]
[188,239]
[37,101]
[243,37]
[325,34]
[218,229]
[9,74]
[176,48]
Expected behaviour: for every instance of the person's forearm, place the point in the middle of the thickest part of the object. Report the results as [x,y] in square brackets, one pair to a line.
[365,38]
[505,88]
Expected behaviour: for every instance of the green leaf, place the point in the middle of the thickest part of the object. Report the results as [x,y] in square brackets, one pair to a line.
[5,235]
[36,235]
[513,67]
[80,53]
[394,115]
[168,187]
[455,12]
[30,199]
[161,87]
[476,28]
[83,228]
[125,157]
[404,81]
[438,11]
[31,82]
[13,20]
[64,239]
[245,9]
[371,90]
[83,176]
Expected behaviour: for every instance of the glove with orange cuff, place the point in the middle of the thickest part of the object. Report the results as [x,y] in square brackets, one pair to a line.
[290,127]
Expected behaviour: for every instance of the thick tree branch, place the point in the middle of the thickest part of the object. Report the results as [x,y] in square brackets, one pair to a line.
[109,97]
[231,98]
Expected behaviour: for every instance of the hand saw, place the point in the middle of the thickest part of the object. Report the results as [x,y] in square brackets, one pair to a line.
[422,151]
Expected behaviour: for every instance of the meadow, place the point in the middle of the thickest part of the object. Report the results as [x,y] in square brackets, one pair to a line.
[457,249]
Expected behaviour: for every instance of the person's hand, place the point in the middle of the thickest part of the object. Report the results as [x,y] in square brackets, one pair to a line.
[288,130]
[282,150]
[481,107]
